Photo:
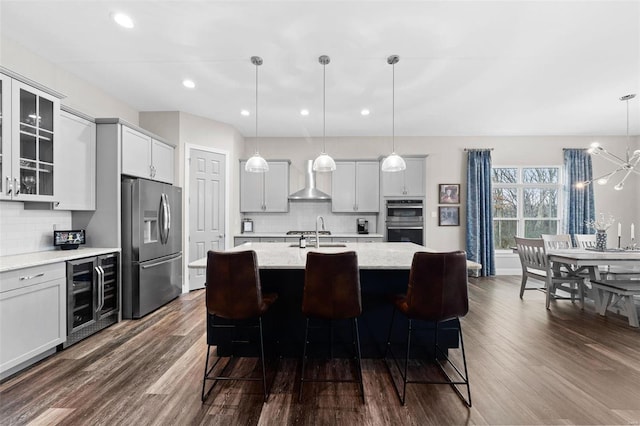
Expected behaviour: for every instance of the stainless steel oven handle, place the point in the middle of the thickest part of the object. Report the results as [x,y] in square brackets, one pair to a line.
[394,206]
[160,263]
[405,227]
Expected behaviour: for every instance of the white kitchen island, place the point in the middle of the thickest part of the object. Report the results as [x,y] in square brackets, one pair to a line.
[385,256]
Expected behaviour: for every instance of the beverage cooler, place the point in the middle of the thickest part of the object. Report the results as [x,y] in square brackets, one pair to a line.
[93,295]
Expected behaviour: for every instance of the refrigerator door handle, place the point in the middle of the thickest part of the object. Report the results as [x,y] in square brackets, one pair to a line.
[171,259]
[164,218]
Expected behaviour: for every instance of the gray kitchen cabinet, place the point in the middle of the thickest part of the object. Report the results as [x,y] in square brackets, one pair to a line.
[409,182]
[30,129]
[146,157]
[32,314]
[265,192]
[355,187]
[75,184]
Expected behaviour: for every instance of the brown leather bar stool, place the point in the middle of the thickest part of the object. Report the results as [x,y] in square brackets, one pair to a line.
[437,292]
[332,292]
[234,293]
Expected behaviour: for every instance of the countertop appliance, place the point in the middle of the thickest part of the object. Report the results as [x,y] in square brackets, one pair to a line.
[93,295]
[151,245]
[405,221]
[363,226]
[68,240]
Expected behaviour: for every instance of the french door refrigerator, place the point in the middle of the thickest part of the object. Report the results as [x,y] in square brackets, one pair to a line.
[151,245]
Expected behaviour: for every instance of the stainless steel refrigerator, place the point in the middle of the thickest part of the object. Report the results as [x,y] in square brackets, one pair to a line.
[151,245]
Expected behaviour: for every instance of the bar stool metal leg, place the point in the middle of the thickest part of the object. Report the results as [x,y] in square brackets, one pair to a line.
[359,358]
[304,359]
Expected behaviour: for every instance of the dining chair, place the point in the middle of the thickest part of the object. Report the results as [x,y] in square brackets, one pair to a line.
[585,240]
[234,296]
[332,293]
[535,264]
[557,242]
[436,294]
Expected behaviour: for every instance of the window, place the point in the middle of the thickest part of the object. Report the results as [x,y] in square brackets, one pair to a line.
[526,202]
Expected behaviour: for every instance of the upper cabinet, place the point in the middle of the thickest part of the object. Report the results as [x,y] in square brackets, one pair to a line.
[30,126]
[265,192]
[146,157]
[75,184]
[409,182]
[355,187]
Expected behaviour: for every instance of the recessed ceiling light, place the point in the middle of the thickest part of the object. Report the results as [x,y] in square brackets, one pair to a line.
[304,112]
[245,113]
[188,83]
[123,20]
[365,112]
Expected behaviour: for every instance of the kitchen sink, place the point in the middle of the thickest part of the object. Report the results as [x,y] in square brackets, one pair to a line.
[321,245]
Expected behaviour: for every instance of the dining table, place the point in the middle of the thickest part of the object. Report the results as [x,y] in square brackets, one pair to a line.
[591,261]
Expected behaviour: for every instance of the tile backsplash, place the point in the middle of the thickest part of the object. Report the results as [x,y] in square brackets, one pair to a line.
[302,217]
[27,231]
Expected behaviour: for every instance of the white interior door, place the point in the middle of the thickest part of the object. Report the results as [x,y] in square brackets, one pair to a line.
[206,208]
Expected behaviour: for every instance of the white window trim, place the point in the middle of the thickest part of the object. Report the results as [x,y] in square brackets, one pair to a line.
[520,187]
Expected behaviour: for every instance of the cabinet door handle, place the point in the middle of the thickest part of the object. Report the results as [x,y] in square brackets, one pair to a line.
[9,186]
[16,185]
[30,277]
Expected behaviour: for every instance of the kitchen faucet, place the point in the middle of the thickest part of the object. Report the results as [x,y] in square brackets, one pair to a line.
[317,234]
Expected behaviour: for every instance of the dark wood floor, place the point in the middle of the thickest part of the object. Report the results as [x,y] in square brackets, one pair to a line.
[527,366]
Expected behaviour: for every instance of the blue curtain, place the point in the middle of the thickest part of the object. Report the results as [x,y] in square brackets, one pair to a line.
[579,203]
[479,211]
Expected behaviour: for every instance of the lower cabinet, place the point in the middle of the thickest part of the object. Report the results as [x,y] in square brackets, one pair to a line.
[32,314]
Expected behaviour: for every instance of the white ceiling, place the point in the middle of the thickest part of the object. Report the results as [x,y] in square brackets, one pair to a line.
[466,68]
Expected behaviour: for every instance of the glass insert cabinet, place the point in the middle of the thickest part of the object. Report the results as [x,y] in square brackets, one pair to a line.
[29,124]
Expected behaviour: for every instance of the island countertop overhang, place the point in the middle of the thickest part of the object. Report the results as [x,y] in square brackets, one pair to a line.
[382,256]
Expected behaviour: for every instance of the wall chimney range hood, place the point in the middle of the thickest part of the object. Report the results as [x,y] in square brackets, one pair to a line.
[309,192]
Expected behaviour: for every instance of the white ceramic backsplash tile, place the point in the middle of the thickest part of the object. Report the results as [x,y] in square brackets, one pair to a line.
[302,217]
[27,231]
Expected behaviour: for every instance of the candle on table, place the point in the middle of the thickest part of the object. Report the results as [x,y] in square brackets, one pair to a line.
[633,232]
[619,229]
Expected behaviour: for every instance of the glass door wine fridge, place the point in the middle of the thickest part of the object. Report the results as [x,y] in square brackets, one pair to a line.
[93,295]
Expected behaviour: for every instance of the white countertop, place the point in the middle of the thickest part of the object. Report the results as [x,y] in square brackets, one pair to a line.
[284,235]
[26,260]
[370,255]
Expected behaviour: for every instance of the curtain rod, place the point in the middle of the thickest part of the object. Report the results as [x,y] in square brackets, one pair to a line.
[581,148]
[478,149]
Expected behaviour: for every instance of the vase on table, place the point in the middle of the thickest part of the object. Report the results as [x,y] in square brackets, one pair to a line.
[601,240]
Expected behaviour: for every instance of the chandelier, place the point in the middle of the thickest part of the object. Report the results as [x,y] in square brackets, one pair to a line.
[626,166]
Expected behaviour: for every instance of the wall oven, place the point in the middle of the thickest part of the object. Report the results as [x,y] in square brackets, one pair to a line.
[405,221]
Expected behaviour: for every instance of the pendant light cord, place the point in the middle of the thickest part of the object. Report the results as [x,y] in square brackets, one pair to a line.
[393,107]
[628,151]
[257,142]
[324,106]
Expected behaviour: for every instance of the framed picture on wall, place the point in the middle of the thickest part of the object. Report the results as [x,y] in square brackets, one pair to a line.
[449,193]
[449,216]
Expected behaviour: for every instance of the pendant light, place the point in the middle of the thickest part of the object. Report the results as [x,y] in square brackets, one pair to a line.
[256,164]
[324,163]
[393,163]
